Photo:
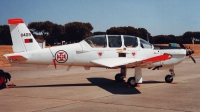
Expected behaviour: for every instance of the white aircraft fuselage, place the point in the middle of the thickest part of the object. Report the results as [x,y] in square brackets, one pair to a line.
[81,54]
[108,51]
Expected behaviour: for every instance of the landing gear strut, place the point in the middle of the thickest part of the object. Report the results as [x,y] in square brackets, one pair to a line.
[169,78]
[120,76]
[133,81]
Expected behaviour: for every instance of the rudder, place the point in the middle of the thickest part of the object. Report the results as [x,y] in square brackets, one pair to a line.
[22,38]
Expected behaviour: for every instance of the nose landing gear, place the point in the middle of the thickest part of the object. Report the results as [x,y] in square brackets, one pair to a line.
[169,78]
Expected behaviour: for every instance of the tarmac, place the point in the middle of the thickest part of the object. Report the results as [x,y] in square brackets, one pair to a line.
[58,90]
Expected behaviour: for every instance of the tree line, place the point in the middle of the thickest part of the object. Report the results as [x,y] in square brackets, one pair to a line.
[77,31]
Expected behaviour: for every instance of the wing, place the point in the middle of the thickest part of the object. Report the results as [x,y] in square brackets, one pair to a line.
[114,62]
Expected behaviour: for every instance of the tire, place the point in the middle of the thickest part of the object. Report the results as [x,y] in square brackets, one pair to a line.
[168,79]
[119,77]
[131,82]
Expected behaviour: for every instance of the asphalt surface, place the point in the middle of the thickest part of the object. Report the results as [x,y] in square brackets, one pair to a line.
[50,90]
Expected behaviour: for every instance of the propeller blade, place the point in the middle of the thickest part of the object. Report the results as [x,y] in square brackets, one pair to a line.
[54,62]
[189,51]
[182,46]
[192,58]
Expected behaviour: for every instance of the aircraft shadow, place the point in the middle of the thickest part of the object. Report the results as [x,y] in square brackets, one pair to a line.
[104,83]
[113,86]
[152,82]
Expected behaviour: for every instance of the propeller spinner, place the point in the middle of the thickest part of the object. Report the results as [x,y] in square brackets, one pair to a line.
[189,52]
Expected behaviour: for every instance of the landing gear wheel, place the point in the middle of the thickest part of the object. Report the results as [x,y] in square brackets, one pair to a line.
[131,82]
[119,77]
[168,78]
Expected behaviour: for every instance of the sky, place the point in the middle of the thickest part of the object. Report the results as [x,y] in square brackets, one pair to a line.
[158,17]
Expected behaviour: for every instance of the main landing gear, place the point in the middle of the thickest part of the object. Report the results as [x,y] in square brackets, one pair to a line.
[169,78]
[120,76]
[132,81]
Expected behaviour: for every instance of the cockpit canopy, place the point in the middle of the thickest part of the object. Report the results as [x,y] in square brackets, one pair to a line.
[116,41]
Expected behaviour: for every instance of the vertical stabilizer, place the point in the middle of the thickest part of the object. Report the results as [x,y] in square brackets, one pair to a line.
[22,38]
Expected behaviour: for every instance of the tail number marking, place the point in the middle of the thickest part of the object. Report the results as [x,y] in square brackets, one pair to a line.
[25,34]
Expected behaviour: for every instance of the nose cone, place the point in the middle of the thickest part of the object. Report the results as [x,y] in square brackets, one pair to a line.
[189,51]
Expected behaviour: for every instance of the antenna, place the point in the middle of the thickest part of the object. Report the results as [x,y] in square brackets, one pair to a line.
[147,37]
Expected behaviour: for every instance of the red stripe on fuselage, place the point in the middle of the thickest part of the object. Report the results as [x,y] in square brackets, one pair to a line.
[158,58]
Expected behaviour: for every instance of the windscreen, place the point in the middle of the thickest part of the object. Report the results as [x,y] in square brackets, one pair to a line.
[114,41]
[130,41]
[98,41]
[144,44]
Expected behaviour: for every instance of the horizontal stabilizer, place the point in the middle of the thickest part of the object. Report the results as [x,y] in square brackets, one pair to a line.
[14,57]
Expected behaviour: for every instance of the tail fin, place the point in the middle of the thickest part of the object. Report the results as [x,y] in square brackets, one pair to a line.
[21,36]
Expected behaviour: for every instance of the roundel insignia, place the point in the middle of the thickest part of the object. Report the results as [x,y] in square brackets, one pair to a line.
[61,56]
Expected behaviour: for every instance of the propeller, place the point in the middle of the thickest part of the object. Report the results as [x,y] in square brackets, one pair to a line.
[189,52]
[54,59]
[54,62]
[192,59]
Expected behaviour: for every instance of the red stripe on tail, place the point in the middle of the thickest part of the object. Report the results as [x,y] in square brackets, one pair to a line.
[15,21]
